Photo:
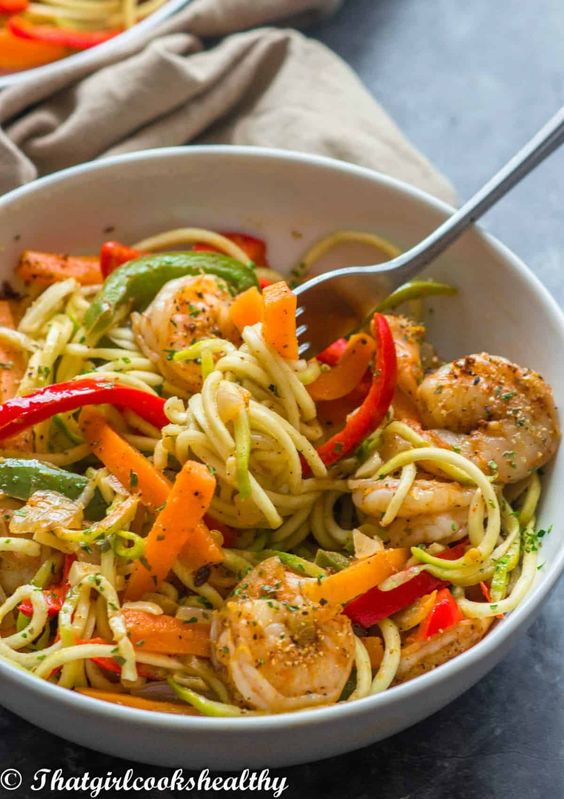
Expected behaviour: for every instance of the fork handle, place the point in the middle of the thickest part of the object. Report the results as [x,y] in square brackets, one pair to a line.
[543,143]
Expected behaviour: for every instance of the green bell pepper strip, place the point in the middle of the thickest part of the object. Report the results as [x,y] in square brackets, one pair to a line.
[414,290]
[327,559]
[22,477]
[137,282]
[293,562]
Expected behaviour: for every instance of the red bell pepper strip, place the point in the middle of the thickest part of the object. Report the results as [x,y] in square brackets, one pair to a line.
[375,605]
[109,664]
[263,283]
[8,7]
[331,355]
[362,422]
[253,247]
[55,596]
[65,37]
[445,613]
[19,413]
[114,254]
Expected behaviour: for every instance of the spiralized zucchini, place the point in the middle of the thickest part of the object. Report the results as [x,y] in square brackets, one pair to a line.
[256,427]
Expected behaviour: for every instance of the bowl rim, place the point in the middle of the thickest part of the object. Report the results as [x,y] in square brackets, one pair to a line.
[500,634]
[84,57]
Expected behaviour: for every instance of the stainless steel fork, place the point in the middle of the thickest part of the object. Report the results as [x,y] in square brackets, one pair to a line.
[333,303]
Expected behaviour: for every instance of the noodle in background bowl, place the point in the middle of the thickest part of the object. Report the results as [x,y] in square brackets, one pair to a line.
[291,200]
[84,57]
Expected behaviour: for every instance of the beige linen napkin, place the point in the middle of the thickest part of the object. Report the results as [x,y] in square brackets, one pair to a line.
[262,86]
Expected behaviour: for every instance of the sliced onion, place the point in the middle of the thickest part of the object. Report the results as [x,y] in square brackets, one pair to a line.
[187,613]
[399,578]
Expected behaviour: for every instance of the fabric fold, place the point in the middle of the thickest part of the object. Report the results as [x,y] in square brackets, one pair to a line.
[208,75]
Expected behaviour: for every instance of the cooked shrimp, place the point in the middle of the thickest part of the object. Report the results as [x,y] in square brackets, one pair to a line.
[278,650]
[431,511]
[407,336]
[430,528]
[491,410]
[184,311]
[424,496]
[424,656]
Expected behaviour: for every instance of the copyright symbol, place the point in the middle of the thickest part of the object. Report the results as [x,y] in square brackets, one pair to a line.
[10,779]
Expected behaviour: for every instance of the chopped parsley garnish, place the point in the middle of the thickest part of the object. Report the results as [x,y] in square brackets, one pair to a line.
[532,539]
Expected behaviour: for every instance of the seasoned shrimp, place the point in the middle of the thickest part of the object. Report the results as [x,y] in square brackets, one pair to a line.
[423,656]
[430,528]
[278,650]
[432,510]
[491,410]
[407,336]
[185,310]
[424,496]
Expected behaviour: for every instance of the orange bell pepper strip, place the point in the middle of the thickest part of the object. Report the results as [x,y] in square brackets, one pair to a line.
[348,372]
[45,268]
[16,53]
[334,412]
[166,634]
[185,507]
[279,326]
[247,308]
[131,468]
[138,702]
[357,578]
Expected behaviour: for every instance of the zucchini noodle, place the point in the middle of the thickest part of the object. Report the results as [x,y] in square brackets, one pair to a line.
[408,474]
[333,240]
[192,235]
[390,662]
[363,671]
[440,457]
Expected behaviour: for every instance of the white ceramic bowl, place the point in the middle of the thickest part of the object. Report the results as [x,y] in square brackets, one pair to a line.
[501,307]
[84,57]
